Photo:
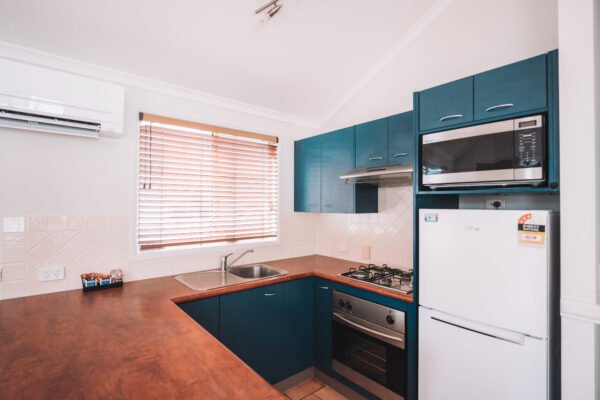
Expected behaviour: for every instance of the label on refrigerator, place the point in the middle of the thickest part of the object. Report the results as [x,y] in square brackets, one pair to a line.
[431,217]
[531,230]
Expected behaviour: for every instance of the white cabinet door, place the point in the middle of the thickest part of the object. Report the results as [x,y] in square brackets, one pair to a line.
[471,364]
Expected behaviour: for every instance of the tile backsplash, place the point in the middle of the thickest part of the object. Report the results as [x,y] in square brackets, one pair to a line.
[389,233]
[99,243]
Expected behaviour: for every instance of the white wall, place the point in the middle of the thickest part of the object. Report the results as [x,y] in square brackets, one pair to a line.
[58,177]
[579,84]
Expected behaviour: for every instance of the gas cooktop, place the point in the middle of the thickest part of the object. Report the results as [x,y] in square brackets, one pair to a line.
[393,278]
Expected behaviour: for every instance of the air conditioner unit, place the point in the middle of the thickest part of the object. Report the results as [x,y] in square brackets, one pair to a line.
[45,100]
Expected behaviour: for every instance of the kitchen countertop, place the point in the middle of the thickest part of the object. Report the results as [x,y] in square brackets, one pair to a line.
[134,341]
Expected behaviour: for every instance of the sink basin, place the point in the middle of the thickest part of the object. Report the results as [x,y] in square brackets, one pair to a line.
[254,271]
[215,278]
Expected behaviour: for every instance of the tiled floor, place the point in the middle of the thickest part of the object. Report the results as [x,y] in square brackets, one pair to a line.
[313,389]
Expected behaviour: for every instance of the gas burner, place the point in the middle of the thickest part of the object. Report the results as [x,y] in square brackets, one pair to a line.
[394,278]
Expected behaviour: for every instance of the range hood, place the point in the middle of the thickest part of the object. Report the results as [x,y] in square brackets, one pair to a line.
[384,175]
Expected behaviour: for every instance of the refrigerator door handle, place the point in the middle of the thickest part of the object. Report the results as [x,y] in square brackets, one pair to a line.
[498,333]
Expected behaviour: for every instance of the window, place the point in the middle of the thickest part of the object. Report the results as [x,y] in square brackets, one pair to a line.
[201,184]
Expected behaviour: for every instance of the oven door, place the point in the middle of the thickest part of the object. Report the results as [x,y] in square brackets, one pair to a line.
[370,356]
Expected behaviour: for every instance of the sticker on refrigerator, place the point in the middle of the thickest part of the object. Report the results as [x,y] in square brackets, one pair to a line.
[532,230]
[431,217]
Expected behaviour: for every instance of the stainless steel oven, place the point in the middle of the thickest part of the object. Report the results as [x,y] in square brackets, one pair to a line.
[369,345]
[503,153]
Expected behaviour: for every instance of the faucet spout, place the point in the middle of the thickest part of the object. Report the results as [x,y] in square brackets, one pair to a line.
[225,264]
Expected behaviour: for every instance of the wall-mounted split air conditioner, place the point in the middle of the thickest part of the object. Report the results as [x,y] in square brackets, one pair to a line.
[44,100]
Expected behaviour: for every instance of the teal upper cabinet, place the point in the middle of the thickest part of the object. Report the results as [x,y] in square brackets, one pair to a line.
[400,138]
[448,104]
[252,327]
[307,175]
[511,89]
[337,151]
[371,143]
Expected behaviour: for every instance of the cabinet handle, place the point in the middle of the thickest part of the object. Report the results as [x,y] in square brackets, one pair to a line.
[451,117]
[507,105]
[400,154]
[271,294]
[324,287]
[375,158]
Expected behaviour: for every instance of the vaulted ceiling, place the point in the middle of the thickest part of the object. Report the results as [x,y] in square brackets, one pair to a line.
[303,62]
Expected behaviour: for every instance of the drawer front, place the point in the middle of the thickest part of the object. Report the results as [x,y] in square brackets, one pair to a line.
[371,143]
[400,138]
[511,89]
[445,105]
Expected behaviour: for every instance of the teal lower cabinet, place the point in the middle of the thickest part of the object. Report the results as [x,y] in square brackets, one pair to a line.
[298,303]
[252,327]
[205,312]
[322,315]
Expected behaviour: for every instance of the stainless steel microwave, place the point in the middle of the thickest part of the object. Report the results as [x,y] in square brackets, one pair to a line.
[503,153]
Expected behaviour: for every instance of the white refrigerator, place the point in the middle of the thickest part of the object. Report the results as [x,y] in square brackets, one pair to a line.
[488,299]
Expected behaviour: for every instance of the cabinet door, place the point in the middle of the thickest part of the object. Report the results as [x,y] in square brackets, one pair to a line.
[307,175]
[337,150]
[323,290]
[298,304]
[511,89]
[447,104]
[205,312]
[252,327]
[371,143]
[400,138]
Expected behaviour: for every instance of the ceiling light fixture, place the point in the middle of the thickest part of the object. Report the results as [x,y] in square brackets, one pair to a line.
[274,10]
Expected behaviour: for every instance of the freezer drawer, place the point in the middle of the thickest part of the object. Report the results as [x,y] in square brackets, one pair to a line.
[473,264]
[478,362]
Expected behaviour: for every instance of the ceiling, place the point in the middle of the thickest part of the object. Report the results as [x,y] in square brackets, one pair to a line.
[302,62]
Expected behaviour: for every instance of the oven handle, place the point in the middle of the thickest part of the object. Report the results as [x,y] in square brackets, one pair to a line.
[373,332]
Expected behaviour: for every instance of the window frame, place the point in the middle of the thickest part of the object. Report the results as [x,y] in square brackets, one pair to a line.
[137,254]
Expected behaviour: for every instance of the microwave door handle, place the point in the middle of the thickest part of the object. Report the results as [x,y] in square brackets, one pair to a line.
[369,330]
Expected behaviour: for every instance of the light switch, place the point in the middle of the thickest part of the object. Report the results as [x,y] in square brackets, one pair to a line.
[366,252]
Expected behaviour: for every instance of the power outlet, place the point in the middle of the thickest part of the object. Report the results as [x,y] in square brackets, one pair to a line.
[51,273]
[366,252]
[495,204]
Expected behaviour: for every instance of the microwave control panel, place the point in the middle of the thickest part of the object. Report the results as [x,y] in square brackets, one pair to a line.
[529,144]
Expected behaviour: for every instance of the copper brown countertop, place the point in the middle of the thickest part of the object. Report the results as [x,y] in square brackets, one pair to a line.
[134,342]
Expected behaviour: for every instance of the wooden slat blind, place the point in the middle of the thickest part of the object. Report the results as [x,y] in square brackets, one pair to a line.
[201,184]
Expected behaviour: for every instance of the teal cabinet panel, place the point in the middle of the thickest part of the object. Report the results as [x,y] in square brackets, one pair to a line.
[205,312]
[252,327]
[298,304]
[511,89]
[322,347]
[448,104]
[401,138]
[371,143]
[337,157]
[307,175]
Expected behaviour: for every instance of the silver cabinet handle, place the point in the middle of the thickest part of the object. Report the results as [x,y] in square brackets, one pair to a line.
[400,154]
[451,117]
[271,294]
[499,106]
[375,158]
[324,287]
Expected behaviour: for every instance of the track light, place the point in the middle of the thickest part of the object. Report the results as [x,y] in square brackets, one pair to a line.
[274,10]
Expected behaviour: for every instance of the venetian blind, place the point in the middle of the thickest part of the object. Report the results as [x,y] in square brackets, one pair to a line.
[203,184]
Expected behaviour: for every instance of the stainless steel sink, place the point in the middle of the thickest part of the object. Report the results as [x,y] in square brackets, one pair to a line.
[255,271]
[211,279]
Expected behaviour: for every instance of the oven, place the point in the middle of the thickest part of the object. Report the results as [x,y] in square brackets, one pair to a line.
[369,345]
[503,153]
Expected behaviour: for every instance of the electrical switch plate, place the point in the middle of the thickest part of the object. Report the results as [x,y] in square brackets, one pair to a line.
[343,247]
[495,204]
[51,273]
[366,252]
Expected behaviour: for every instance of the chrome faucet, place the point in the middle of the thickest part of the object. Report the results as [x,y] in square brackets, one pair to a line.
[225,265]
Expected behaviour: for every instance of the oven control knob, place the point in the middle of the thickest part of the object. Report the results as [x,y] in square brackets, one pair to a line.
[348,306]
[390,320]
[341,303]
